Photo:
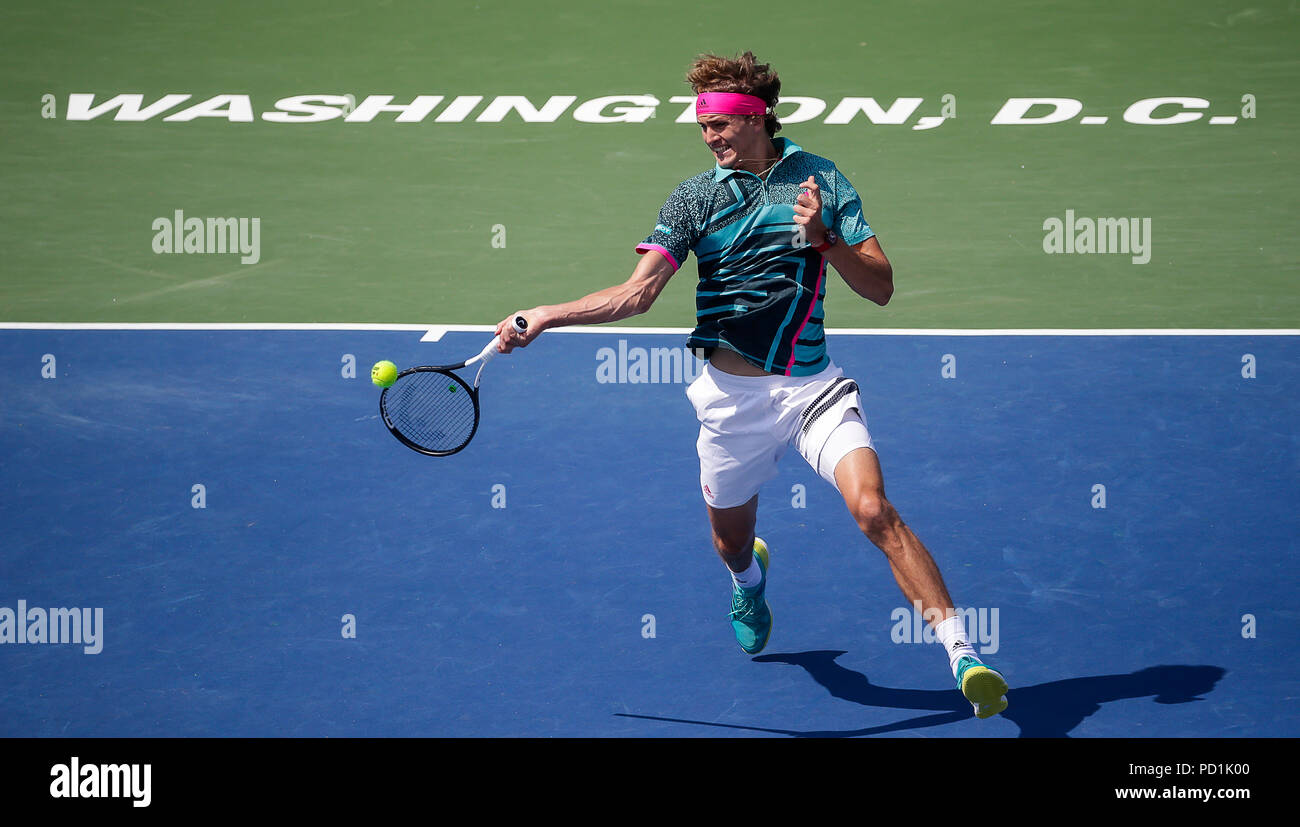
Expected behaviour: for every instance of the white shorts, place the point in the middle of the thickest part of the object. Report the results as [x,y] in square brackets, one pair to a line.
[747,422]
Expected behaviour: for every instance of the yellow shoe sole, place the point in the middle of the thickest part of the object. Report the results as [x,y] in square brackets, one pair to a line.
[985,689]
[760,548]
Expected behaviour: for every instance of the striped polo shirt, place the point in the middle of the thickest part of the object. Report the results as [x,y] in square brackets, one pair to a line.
[761,288]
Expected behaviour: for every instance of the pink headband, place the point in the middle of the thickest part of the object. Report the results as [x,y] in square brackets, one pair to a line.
[729,103]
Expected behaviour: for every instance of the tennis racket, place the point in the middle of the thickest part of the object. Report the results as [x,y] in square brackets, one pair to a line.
[433,411]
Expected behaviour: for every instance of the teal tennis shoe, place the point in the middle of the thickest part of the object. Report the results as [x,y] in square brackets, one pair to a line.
[751,617]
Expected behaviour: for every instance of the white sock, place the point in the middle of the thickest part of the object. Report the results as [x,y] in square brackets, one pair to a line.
[750,577]
[952,634]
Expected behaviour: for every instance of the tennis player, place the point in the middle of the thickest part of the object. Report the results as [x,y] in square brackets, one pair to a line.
[764,223]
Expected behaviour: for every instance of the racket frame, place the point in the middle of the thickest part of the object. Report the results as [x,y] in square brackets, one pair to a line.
[484,356]
[446,371]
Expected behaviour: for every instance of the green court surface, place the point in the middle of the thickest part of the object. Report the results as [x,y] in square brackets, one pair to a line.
[465,219]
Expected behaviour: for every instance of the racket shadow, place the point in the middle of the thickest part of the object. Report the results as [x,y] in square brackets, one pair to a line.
[1045,710]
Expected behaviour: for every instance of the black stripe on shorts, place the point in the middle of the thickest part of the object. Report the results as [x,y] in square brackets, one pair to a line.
[841,388]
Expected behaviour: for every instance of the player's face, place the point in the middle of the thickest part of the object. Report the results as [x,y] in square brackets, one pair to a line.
[733,137]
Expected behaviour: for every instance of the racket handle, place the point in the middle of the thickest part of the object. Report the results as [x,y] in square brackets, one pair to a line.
[489,353]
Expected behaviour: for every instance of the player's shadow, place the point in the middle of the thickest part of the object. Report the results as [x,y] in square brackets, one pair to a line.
[1045,710]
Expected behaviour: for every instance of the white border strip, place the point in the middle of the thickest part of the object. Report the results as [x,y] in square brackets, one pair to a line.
[433,333]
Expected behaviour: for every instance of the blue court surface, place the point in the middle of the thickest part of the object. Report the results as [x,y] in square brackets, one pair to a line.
[1120,508]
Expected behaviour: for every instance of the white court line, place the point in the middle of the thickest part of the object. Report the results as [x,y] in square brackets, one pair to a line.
[208,326]
[435,332]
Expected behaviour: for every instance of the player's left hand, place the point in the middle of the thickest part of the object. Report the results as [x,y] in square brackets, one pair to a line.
[808,212]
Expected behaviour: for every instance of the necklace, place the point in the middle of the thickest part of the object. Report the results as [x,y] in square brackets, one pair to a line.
[762,176]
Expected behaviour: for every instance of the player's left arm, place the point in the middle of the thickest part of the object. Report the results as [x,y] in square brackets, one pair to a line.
[864,266]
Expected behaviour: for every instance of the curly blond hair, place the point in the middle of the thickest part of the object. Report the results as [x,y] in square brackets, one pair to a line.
[743,74]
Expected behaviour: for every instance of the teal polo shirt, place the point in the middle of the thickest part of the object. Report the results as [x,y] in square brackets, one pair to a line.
[760,290]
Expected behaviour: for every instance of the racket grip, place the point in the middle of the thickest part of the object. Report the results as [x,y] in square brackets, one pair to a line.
[490,352]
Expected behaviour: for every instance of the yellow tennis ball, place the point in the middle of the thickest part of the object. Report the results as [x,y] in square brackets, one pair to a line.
[383,374]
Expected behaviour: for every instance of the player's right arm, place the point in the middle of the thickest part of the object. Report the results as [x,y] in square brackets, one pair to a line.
[662,253]
[621,301]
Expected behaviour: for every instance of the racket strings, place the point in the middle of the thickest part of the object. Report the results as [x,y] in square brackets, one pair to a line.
[433,410]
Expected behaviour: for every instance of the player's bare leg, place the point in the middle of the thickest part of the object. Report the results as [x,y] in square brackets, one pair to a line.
[746,557]
[733,533]
[862,484]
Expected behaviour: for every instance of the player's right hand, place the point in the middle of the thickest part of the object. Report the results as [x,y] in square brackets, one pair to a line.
[512,338]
